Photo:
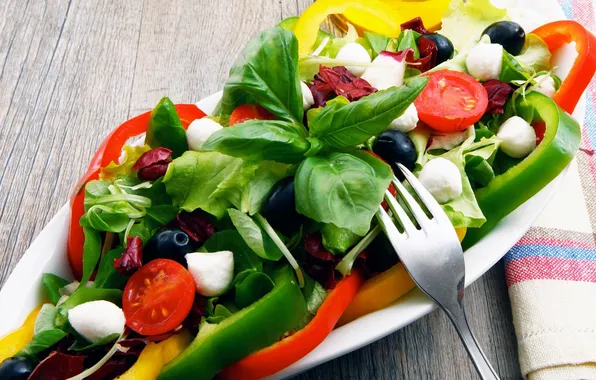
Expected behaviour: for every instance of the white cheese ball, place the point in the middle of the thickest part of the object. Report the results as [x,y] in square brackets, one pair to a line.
[96,320]
[354,52]
[199,131]
[386,72]
[442,179]
[484,61]
[213,272]
[545,84]
[518,138]
[307,99]
[407,121]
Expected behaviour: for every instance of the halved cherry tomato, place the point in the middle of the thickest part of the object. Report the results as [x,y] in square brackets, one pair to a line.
[249,112]
[158,297]
[451,101]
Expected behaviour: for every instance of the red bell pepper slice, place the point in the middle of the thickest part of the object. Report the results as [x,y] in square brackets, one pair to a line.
[109,151]
[287,351]
[557,33]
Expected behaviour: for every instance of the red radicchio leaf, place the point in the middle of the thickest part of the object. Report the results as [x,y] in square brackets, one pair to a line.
[428,54]
[415,24]
[153,164]
[498,93]
[197,312]
[58,365]
[339,81]
[114,367]
[399,56]
[320,263]
[138,341]
[196,225]
[132,257]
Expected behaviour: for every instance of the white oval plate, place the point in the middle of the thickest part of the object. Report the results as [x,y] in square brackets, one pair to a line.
[22,291]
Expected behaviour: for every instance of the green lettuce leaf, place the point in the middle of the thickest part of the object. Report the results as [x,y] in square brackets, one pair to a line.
[535,55]
[131,154]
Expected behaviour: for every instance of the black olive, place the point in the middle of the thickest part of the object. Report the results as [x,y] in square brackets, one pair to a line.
[396,147]
[171,244]
[444,46]
[508,34]
[280,207]
[16,369]
[380,255]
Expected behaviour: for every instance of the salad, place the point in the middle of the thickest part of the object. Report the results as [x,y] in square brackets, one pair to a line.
[231,244]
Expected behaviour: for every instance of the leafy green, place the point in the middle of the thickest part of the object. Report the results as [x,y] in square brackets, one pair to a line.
[91,253]
[254,236]
[314,295]
[195,176]
[255,77]
[407,40]
[230,240]
[83,295]
[273,140]
[252,288]
[131,154]
[107,276]
[165,128]
[249,197]
[535,55]
[334,46]
[45,318]
[161,214]
[40,343]
[511,70]
[377,42]
[341,126]
[108,221]
[479,158]
[464,22]
[338,240]
[52,284]
[244,172]
[342,188]
[80,346]
[420,136]
[218,314]
[309,65]
[290,22]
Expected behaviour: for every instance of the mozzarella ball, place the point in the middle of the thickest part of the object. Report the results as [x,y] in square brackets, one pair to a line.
[407,121]
[545,84]
[307,99]
[354,52]
[518,138]
[484,61]
[386,72]
[199,131]
[96,320]
[213,272]
[442,179]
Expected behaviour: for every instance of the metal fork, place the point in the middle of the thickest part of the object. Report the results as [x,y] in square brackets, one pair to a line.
[433,256]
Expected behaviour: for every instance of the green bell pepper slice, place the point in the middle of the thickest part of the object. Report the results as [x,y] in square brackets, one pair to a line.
[255,327]
[508,191]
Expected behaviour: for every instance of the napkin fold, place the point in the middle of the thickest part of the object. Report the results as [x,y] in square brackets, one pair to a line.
[551,272]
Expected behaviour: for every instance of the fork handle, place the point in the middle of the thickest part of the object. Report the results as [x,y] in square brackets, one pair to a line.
[458,318]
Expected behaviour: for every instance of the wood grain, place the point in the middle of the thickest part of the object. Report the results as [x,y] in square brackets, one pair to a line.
[72,70]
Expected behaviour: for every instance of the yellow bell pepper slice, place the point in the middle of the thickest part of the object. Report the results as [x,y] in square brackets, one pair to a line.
[379,14]
[16,340]
[382,290]
[155,356]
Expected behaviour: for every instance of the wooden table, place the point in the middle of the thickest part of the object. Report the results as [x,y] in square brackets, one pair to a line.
[72,70]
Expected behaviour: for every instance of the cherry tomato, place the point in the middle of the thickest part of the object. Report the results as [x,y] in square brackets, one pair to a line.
[451,101]
[249,112]
[158,297]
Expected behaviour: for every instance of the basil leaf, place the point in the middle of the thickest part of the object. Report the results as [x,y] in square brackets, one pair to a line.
[249,198]
[252,288]
[338,240]
[511,69]
[273,140]
[342,188]
[407,40]
[314,295]
[79,346]
[45,319]
[165,128]
[377,42]
[82,295]
[341,126]
[193,177]
[161,214]
[254,236]
[52,285]
[91,253]
[107,276]
[41,342]
[255,77]
[230,240]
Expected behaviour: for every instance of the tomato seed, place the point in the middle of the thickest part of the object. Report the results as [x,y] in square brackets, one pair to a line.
[147,282]
[153,314]
[164,312]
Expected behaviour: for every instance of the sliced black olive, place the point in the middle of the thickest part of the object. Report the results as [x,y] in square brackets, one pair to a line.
[396,147]
[171,244]
[508,34]
[444,46]
[280,207]
[16,369]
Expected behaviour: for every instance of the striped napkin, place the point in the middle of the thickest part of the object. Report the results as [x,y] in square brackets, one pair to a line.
[551,272]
